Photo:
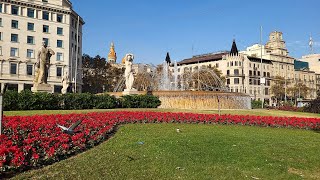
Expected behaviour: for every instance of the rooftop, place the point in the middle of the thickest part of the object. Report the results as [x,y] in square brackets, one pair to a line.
[204,58]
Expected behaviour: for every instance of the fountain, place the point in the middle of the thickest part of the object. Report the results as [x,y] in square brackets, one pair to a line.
[198,88]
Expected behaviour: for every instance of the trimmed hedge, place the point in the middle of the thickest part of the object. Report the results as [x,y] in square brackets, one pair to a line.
[26,100]
[139,101]
[256,104]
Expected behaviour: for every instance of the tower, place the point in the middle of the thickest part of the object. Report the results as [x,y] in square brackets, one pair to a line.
[168,59]
[234,50]
[311,45]
[112,56]
[276,45]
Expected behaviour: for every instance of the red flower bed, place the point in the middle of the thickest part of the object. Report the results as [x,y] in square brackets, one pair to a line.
[34,141]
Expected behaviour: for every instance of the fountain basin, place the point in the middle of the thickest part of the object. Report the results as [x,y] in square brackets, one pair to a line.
[200,100]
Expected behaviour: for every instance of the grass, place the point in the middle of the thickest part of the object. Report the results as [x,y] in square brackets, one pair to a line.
[197,152]
[260,112]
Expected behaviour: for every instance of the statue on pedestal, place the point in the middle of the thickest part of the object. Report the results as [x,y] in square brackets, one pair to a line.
[65,83]
[42,66]
[128,74]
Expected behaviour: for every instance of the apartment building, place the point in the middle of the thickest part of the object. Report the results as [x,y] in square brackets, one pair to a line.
[252,71]
[24,25]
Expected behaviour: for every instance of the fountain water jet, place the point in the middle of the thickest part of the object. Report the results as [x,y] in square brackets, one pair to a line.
[178,91]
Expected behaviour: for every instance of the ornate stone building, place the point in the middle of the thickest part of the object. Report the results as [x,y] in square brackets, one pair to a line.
[24,25]
[244,70]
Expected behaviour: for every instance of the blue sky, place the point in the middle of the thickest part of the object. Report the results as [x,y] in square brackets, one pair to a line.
[149,28]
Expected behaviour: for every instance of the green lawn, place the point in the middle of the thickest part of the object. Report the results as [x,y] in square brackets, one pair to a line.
[197,152]
[260,112]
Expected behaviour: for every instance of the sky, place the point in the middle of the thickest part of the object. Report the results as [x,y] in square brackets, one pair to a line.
[151,28]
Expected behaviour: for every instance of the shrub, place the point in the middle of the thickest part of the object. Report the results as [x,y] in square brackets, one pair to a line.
[45,101]
[313,107]
[26,100]
[10,101]
[256,104]
[139,101]
[105,101]
[77,101]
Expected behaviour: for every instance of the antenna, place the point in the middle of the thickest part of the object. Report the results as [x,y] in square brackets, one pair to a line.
[311,44]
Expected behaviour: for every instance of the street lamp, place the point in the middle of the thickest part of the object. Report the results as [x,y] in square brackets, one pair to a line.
[1,105]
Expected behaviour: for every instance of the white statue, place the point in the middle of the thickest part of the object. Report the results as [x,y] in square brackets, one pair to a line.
[65,83]
[128,74]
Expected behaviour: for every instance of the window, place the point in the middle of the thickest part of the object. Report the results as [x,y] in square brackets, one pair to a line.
[60,31]
[236,63]
[0,50]
[266,91]
[45,29]
[30,40]
[14,52]
[236,80]
[228,72]
[29,69]
[30,27]
[59,43]
[0,36]
[250,72]
[14,37]
[30,53]
[228,81]
[59,57]
[59,71]
[45,15]
[30,12]
[0,21]
[45,1]
[15,10]
[14,24]
[0,7]
[236,72]
[46,41]
[59,17]
[13,68]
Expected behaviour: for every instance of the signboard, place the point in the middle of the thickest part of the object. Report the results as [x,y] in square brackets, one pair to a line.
[262,80]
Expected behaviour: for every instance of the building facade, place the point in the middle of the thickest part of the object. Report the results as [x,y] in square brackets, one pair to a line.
[253,71]
[24,25]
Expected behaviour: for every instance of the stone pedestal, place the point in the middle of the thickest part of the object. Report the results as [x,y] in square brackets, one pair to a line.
[130,92]
[42,88]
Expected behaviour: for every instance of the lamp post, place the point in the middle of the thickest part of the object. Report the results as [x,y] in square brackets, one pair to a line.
[1,105]
[261,74]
